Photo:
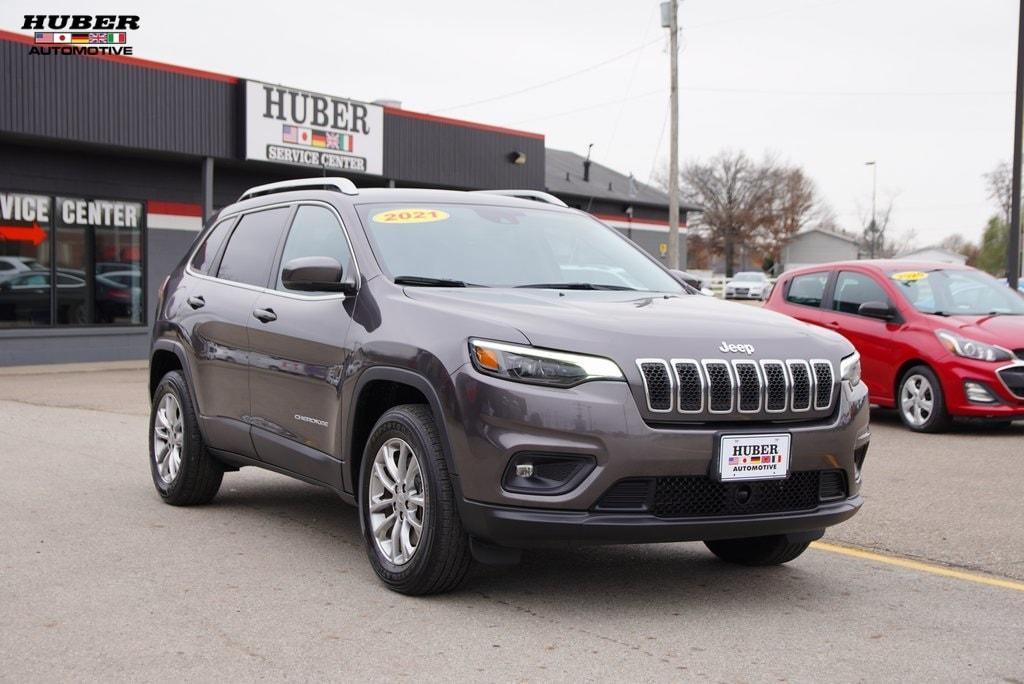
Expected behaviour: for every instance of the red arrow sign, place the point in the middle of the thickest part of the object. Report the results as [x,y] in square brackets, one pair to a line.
[33,234]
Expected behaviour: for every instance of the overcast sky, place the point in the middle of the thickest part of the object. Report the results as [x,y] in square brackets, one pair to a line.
[925,87]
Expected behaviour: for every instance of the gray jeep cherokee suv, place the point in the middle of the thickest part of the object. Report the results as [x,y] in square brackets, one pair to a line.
[482,372]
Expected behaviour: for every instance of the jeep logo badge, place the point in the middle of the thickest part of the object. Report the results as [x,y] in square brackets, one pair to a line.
[747,349]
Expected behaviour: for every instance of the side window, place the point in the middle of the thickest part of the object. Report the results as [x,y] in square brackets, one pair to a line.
[854,289]
[807,290]
[202,260]
[4,266]
[315,232]
[252,246]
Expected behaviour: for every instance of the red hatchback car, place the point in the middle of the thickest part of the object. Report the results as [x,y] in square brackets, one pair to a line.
[936,340]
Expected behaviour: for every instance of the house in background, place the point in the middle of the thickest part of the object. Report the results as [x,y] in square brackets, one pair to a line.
[934,253]
[817,246]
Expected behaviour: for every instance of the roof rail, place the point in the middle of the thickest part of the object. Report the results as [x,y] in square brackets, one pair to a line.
[535,195]
[343,185]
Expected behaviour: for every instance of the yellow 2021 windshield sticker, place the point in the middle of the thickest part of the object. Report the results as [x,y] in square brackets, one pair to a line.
[410,216]
[909,276]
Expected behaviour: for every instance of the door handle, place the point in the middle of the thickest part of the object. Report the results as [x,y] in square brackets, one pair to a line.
[196,302]
[833,324]
[265,315]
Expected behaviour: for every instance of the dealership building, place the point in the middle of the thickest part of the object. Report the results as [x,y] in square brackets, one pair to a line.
[110,164]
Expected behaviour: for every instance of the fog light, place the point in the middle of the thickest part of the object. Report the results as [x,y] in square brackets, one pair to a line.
[977,393]
[549,474]
[524,470]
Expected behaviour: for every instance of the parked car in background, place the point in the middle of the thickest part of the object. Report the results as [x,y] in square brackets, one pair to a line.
[747,285]
[26,298]
[11,266]
[936,341]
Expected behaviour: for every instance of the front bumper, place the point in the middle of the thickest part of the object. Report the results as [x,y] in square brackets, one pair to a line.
[954,371]
[491,420]
[537,528]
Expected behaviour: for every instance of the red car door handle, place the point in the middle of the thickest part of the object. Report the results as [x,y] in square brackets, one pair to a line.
[833,324]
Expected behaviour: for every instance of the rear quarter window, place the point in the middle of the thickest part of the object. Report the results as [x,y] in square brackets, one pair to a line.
[808,289]
[202,260]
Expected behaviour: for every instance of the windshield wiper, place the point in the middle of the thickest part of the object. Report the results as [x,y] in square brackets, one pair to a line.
[576,286]
[426,281]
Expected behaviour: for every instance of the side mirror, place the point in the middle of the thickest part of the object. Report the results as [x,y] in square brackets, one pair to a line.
[314,274]
[879,310]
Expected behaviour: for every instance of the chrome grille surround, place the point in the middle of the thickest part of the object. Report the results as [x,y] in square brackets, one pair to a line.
[686,371]
[715,388]
[650,377]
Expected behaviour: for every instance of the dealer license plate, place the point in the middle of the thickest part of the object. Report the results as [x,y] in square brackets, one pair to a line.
[753,457]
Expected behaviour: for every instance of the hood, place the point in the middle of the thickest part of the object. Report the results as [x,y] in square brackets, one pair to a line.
[1005,330]
[626,326]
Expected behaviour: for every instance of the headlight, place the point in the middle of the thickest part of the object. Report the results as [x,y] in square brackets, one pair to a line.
[972,349]
[540,366]
[849,369]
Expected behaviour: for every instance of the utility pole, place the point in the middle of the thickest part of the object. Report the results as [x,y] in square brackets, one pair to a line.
[1013,251]
[671,9]
[873,226]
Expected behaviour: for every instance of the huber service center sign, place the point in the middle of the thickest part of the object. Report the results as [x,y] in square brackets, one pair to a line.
[288,126]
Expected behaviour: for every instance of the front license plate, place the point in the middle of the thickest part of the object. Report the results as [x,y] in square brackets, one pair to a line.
[753,457]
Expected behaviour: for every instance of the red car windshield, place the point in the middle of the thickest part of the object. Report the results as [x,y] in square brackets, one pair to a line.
[957,293]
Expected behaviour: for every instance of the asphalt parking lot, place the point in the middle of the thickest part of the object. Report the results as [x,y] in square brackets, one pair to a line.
[101,581]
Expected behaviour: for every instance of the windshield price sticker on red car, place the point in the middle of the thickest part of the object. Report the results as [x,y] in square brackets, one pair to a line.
[410,216]
[909,276]
[754,457]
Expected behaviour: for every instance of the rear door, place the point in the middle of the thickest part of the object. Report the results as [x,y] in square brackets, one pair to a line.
[218,310]
[872,337]
[803,296]
[299,351]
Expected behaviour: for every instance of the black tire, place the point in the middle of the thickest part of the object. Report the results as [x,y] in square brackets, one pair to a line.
[442,557]
[938,419]
[757,551]
[199,476]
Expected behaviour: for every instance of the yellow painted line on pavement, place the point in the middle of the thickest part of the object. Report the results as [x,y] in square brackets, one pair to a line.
[920,566]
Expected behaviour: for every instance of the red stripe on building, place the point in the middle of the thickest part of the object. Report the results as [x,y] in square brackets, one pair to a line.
[174,208]
[408,114]
[625,219]
[132,61]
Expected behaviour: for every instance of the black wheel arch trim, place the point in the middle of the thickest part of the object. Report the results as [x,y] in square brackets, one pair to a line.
[178,350]
[418,382]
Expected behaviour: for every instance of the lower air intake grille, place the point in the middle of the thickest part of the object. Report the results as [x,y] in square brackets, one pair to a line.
[1013,377]
[694,496]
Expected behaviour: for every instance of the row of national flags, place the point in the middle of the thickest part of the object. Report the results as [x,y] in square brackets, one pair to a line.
[297,135]
[93,38]
[735,460]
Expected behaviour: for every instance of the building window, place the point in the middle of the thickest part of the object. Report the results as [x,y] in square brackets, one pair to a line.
[71,261]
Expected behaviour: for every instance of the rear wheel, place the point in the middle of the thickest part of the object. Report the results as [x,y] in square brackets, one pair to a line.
[411,526]
[757,551]
[184,472]
[920,401]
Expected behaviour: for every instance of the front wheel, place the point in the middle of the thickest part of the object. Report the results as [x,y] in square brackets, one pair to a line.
[411,526]
[920,401]
[757,551]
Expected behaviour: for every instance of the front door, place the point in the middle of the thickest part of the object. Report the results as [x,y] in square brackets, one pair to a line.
[299,352]
[872,337]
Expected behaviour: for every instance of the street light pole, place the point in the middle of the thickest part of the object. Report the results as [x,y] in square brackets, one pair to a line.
[671,23]
[873,226]
[1013,249]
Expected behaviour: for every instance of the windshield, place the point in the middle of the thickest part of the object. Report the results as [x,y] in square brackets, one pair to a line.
[957,293]
[750,276]
[493,246]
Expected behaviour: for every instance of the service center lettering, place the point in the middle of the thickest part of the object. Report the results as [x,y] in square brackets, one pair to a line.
[15,207]
[80,212]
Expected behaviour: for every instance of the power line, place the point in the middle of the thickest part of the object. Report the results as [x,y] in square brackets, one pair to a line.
[598,105]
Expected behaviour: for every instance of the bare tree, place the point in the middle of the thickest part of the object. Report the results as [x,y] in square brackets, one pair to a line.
[999,182]
[735,193]
[793,204]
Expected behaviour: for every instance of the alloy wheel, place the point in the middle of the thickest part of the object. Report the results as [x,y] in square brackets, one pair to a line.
[168,438]
[917,400]
[396,501]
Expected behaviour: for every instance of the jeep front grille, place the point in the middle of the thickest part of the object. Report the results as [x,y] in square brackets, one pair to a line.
[718,389]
